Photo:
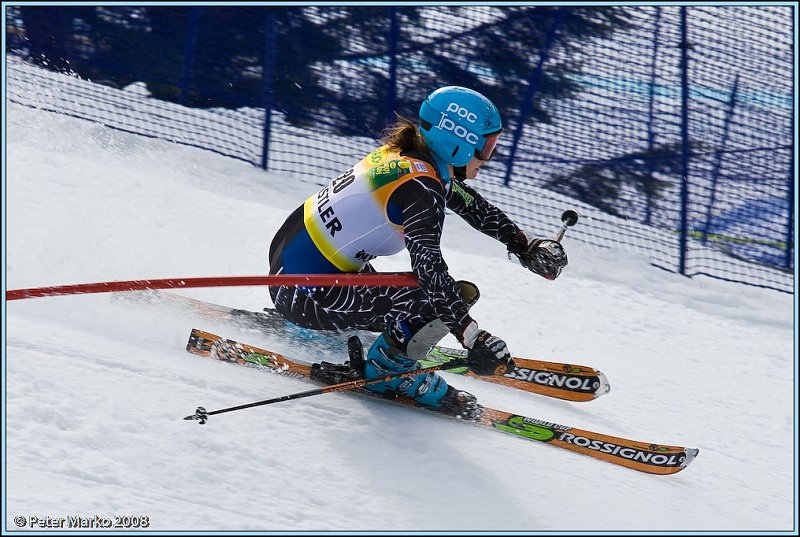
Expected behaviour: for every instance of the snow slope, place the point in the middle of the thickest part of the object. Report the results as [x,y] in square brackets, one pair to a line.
[96,386]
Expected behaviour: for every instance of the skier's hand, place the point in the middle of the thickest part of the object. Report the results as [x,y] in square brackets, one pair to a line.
[545,257]
[487,354]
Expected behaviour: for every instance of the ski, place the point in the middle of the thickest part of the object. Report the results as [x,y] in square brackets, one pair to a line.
[642,456]
[563,381]
[571,382]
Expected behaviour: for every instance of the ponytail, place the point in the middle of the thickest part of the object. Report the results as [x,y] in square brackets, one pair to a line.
[405,136]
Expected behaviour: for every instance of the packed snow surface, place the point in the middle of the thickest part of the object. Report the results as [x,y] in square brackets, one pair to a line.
[97,385]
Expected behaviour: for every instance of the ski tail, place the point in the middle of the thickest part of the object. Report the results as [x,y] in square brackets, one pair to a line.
[227,350]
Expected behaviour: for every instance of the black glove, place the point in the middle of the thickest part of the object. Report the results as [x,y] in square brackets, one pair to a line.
[545,257]
[487,354]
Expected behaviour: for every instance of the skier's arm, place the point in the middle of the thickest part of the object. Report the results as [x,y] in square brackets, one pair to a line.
[423,208]
[541,256]
[479,213]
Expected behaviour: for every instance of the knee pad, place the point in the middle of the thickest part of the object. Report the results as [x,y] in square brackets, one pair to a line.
[425,337]
[469,292]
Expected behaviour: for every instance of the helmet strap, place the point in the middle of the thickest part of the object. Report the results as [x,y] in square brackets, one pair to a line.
[460,172]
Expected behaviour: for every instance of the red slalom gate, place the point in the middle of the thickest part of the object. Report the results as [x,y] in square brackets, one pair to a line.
[402,279]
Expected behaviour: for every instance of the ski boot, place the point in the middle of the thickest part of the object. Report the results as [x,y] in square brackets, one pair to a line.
[388,356]
[429,389]
[400,347]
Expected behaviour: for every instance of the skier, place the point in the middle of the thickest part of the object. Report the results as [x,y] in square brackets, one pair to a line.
[394,198]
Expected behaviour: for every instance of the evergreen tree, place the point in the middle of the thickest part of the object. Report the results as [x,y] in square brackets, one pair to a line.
[492,50]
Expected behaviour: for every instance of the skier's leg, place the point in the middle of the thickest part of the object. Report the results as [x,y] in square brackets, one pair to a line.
[358,307]
[343,308]
[402,344]
[388,356]
[411,330]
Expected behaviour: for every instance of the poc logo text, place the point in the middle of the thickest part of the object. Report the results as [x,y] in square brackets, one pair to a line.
[462,112]
[448,124]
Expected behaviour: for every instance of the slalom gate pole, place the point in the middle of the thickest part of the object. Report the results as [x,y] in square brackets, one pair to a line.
[401,279]
[201,414]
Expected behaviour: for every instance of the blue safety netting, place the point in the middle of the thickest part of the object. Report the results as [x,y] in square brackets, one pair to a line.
[671,128]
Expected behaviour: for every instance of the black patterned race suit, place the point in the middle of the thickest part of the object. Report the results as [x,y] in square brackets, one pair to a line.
[419,205]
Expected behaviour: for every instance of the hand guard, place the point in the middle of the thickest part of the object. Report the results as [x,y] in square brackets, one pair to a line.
[487,354]
[545,257]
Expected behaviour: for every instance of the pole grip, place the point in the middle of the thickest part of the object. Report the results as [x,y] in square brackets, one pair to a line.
[569,218]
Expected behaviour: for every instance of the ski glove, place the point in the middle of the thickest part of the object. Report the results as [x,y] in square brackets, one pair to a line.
[545,257]
[487,354]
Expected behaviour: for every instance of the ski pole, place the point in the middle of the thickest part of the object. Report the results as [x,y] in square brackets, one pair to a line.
[569,219]
[201,414]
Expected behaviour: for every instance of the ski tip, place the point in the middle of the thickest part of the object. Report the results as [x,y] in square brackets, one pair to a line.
[690,455]
[603,386]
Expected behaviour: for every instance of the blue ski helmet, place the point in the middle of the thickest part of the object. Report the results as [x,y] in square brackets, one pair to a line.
[455,122]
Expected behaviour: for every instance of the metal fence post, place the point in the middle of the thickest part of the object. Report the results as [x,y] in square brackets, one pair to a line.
[394,34]
[684,231]
[718,160]
[651,116]
[790,202]
[270,40]
[527,101]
